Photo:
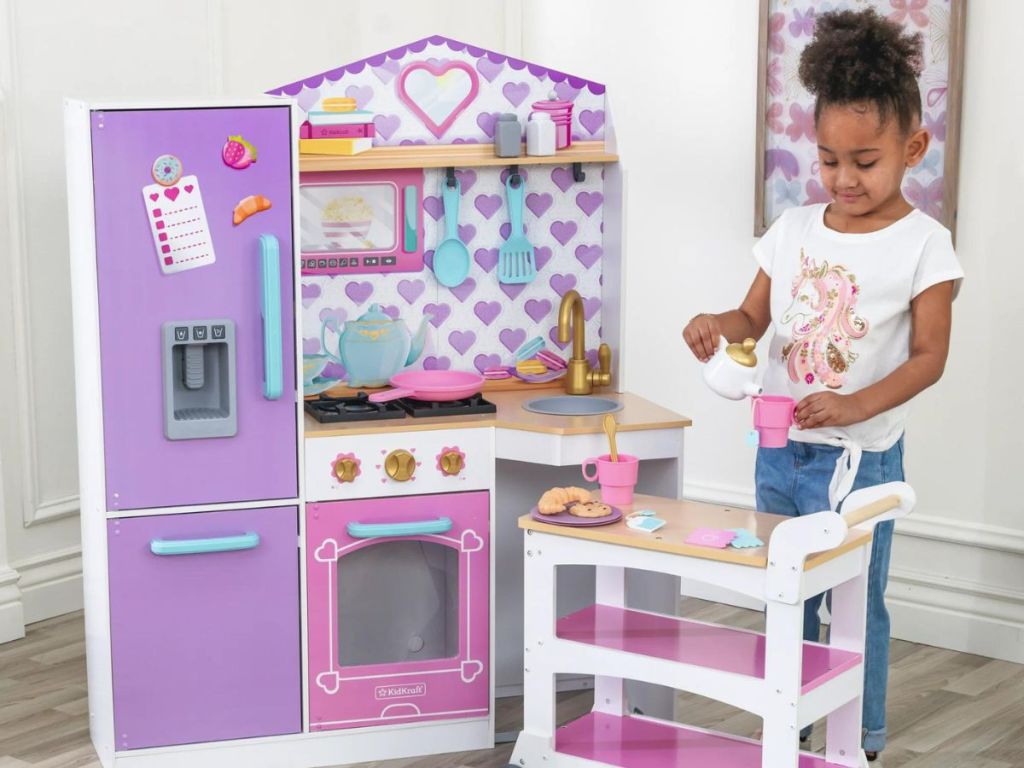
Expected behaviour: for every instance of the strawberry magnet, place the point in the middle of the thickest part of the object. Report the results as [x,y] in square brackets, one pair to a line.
[238,153]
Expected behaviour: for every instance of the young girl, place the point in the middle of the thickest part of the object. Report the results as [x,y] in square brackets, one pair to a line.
[859,295]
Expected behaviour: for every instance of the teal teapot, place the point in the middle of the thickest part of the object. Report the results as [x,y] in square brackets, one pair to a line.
[374,348]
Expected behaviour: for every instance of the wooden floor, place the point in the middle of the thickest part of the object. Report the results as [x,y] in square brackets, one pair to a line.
[946,709]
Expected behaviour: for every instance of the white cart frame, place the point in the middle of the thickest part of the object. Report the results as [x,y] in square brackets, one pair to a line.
[785,576]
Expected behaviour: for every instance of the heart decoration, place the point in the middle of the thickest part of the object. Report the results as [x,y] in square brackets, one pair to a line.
[189,188]
[471,542]
[328,682]
[437,93]
[327,552]
[171,193]
[470,670]
[154,196]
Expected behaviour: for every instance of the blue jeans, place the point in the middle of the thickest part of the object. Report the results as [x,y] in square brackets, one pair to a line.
[794,481]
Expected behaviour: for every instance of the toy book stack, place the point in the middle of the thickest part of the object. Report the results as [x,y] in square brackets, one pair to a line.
[338,128]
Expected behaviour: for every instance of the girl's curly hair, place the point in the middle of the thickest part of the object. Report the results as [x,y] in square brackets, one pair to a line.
[858,56]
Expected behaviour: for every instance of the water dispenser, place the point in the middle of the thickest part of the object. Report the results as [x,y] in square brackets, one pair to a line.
[199,379]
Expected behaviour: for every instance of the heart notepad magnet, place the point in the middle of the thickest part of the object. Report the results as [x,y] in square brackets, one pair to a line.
[711,537]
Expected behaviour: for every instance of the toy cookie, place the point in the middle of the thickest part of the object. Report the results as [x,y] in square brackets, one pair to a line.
[590,509]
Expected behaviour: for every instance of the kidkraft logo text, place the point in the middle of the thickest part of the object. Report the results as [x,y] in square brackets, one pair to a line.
[400,691]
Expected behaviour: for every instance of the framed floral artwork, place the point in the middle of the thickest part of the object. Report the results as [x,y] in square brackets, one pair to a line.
[787,157]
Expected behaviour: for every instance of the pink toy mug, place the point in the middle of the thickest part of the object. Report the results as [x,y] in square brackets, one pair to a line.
[616,478]
[773,416]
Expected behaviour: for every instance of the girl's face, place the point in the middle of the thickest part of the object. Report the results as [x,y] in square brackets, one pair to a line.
[862,161]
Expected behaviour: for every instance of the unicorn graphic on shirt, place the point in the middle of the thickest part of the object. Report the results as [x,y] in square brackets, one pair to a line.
[824,324]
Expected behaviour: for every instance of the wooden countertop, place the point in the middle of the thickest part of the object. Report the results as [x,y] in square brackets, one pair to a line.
[681,519]
[637,414]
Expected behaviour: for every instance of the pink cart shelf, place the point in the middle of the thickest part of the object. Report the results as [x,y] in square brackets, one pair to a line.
[632,742]
[700,644]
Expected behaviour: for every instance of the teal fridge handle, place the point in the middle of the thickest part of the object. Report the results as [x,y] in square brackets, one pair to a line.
[382,530]
[270,285]
[204,546]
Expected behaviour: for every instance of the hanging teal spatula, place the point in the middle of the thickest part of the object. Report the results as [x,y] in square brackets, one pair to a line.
[515,259]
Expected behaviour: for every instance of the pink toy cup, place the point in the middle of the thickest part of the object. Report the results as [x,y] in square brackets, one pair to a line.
[616,478]
[773,416]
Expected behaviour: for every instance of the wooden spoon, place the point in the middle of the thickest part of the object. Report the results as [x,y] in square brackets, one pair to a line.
[609,429]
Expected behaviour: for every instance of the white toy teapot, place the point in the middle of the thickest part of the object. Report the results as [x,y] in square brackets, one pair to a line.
[732,372]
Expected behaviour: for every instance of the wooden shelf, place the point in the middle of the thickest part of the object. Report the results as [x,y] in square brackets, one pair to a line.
[451,155]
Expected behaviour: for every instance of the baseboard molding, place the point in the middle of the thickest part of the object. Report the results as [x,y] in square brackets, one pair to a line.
[12,613]
[938,607]
[50,584]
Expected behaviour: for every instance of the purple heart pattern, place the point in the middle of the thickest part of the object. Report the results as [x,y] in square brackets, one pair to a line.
[482,322]
[505,85]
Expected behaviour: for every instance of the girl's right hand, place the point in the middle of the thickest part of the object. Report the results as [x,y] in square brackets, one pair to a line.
[701,335]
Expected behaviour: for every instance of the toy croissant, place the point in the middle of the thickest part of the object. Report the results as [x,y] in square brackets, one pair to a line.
[557,499]
[250,205]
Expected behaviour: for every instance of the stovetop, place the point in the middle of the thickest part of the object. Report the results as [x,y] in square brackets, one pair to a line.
[326,409]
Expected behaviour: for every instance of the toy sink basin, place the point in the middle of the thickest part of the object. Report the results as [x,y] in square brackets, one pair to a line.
[572,405]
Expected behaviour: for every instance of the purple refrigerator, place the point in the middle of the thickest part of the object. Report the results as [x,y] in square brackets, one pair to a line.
[196,305]
[193,390]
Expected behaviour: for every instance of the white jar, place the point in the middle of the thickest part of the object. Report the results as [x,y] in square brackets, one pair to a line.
[540,134]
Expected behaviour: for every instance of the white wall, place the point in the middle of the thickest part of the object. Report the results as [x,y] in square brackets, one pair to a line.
[115,50]
[682,85]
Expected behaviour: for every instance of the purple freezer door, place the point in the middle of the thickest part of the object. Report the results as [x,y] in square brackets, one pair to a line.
[139,292]
[205,646]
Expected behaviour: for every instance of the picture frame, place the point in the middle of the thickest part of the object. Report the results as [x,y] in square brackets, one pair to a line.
[786,171]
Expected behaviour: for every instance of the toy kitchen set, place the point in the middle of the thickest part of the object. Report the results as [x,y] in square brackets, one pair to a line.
[315,569]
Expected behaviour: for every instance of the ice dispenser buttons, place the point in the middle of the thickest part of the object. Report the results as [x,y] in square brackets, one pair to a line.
[199,379]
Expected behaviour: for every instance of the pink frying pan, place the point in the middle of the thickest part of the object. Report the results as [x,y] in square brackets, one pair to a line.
[431,385]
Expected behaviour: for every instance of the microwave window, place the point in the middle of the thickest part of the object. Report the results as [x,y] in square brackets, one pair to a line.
[348,217]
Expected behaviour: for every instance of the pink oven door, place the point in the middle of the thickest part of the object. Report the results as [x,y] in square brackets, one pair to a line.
[399,593]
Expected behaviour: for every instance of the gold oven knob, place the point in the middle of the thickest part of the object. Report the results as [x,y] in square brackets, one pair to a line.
[452,462]
[345,470]
[400,465]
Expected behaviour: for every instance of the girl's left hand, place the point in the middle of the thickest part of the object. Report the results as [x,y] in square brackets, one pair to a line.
[828,409]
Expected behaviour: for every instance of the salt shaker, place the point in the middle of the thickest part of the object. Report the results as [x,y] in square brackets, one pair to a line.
[508,136]
[540,134]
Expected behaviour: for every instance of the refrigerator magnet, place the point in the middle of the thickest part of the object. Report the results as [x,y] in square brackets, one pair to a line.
[177,222]
[166,170]
[249,206]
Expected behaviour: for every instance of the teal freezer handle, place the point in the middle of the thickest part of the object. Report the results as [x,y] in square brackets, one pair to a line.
[270,285]
[204,546]
[382,530]
[410,219]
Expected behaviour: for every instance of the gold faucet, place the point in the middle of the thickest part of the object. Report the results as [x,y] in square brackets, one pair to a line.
[580,379]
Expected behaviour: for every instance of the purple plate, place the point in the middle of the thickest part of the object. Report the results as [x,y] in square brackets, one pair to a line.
[567,518]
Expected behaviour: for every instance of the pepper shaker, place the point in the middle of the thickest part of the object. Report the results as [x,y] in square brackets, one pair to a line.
[508,136]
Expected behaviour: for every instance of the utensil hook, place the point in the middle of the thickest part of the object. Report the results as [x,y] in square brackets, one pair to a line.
[513,176]
[577,172]
[450,177]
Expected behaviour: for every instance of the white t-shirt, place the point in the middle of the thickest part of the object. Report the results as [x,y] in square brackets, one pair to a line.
[840,306]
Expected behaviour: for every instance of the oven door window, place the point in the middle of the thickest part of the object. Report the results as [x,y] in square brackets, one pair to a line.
[398,601]
[340,218]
